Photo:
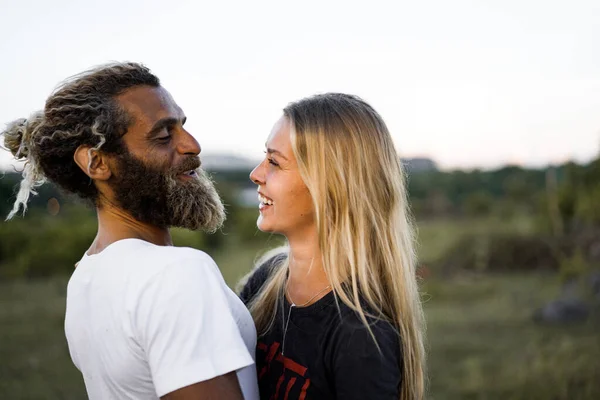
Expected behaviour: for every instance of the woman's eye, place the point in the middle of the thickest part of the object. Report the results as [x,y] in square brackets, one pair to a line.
[164,138]
[270,160]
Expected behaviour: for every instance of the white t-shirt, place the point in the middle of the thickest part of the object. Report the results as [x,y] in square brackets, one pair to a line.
[144,320]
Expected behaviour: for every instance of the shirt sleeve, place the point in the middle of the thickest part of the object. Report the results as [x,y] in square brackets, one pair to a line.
[360,370]
[185,326]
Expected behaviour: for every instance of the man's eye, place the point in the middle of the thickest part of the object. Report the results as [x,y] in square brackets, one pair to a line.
[164,138]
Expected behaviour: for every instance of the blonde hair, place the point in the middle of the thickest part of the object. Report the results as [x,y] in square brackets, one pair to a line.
[347,160]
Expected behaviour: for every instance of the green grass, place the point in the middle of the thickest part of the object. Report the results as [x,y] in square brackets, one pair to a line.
[484,345]
[34,359]
[436,237]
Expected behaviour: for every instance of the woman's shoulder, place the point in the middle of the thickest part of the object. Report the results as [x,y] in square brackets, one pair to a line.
[365,359]
[353,332]
[265,267]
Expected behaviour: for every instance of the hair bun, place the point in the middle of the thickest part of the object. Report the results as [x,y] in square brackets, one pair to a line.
[18,135]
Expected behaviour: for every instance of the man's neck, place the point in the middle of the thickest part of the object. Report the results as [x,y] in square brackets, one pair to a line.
[115,224]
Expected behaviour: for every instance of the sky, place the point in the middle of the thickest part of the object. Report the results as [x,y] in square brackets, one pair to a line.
[471,84]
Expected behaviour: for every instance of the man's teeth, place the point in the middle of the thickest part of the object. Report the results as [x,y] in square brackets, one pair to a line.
[264,200]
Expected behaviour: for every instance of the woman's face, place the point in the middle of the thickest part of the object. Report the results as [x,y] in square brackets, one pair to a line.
[285,203]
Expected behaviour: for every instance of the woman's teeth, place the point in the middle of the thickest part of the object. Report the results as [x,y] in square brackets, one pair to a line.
[264,200]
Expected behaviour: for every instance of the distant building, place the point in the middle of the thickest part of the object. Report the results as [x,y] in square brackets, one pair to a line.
[227,162]
[419,164]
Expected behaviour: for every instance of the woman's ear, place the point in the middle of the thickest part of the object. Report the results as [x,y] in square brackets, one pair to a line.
[93,163]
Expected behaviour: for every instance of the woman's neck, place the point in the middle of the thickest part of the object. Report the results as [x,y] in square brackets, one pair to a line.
[307,276]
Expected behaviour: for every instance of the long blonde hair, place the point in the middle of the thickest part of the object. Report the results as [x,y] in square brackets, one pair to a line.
[347,160]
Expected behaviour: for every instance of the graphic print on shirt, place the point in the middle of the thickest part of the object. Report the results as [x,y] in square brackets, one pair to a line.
[292,381]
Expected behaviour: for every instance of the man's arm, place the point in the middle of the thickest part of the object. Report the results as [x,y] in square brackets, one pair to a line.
[224,387]
[190,338]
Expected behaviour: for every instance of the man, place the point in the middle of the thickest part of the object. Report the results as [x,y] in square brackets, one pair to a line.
[144,319]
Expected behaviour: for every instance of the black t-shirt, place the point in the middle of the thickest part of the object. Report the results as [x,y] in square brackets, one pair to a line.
[328,354]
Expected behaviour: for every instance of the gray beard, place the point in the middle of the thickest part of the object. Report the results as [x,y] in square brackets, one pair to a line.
[157,197]
[196,204]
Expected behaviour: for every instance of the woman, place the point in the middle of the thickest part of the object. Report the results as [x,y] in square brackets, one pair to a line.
[338,311]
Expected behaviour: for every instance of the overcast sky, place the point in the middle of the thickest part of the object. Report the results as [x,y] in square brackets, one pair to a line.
[467,83]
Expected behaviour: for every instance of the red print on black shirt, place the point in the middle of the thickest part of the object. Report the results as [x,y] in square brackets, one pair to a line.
[292,375]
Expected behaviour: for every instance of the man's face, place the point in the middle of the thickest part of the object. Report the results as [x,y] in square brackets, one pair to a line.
[158,179]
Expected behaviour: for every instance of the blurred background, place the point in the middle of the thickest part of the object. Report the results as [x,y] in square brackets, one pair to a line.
[494,110]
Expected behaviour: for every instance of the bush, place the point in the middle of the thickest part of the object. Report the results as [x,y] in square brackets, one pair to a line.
[185,238]
[245,226]
[502,253]
[41,245]
[478,204]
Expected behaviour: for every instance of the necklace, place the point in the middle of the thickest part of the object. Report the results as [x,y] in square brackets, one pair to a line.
[292,305]
[309,300]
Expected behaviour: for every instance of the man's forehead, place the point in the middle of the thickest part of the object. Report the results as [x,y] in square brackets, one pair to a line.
[149,104]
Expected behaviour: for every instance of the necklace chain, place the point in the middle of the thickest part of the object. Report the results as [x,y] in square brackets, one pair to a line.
[309,300]
[292,305]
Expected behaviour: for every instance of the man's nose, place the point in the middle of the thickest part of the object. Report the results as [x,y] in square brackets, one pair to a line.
[188,145]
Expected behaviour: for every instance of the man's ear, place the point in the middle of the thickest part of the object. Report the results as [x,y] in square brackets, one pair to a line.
[93,163]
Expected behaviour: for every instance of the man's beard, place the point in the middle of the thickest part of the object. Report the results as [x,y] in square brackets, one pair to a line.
[158,197]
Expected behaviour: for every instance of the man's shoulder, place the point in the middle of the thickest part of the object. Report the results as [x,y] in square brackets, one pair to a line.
[184,272]
[161,254]
[144,258]
[164,258]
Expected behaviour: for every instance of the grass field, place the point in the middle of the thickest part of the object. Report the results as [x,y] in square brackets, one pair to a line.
[482,342]
[484,345]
